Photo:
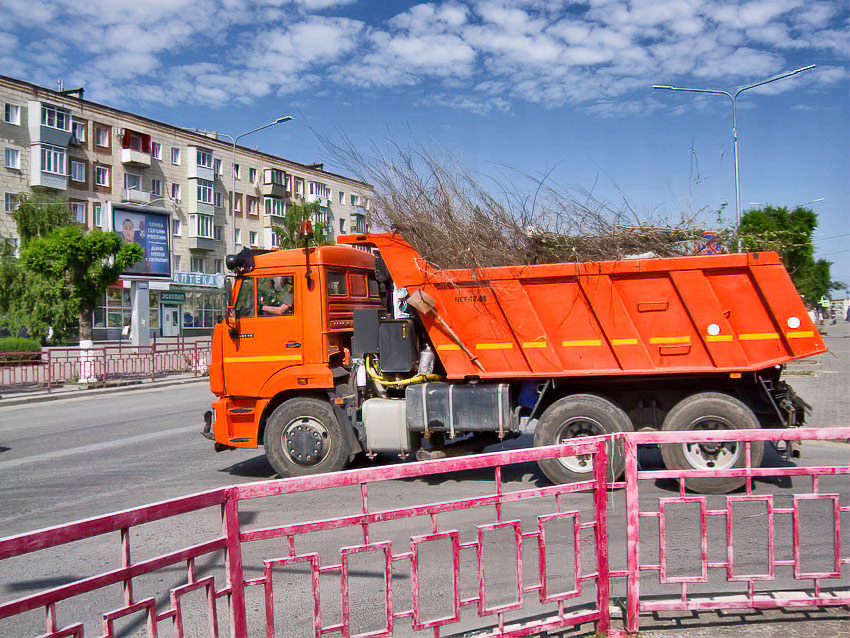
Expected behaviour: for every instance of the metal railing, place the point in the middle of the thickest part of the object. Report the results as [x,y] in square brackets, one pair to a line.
[56,367]
[243,567]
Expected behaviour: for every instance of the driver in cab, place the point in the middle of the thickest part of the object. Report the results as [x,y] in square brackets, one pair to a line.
[274,297]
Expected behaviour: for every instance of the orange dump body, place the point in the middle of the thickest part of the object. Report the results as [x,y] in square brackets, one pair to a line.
[722,313]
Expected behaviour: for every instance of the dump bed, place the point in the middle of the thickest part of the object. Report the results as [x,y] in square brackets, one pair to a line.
[721,313]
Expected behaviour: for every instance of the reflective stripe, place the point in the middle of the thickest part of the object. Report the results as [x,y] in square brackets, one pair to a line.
[534,344]
[800,334]
[663,340]
[624,342]
[758,336]
[715,338]
[494,346]
[582,342]
[448,346]
[280,357]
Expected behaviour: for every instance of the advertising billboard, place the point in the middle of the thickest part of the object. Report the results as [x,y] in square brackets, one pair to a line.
[150,230]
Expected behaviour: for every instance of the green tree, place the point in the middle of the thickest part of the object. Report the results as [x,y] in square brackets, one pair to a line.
[84,263]
[287,235]
[790,235]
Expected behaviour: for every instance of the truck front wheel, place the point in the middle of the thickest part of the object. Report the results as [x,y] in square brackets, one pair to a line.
[303,437]
[710,411]
[575,416]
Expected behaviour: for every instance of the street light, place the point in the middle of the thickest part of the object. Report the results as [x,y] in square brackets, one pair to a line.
[734,98]
[234,142]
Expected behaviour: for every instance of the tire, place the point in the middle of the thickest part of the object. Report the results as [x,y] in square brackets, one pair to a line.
[303,437]
[575,416]
[710,411]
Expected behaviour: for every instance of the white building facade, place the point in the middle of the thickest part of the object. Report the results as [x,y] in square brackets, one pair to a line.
[96,156]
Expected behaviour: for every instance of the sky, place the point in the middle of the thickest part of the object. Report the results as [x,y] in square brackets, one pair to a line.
[560,89]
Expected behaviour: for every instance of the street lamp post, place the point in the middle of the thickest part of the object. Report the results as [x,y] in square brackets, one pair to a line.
[233,143]
[734,98]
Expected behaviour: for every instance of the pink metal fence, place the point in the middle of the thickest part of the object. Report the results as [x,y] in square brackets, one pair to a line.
[55,367]
[584,600]
[748,599]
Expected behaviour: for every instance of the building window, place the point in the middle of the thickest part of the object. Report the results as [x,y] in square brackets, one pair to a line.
[78,210]
[252,175]
[55,118]
[101,176]
[217,166]
[156,187]
[156,150]
[275,206]
[253,205]
[274,176]
[79,131]
[53,160]
[299,186]
[176,227]
[13,158]
[201,226]
[175,156]
[97,213]
[205,158]
[341,225]
[218,265]
[13,114]
[341,197]
[354,200]
[217,233]
[175,192]
[78,171]
[237,203]
[217,199]
[252,238]
[197,264]
[101,136]
[205,191]
[176,261]
[9,202]
[237,239]
[132,182]
[237,170]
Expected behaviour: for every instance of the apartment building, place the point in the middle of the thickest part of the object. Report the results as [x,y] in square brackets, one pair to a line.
[100,158]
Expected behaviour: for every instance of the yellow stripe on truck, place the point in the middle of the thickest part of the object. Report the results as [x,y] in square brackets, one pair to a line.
[267,359]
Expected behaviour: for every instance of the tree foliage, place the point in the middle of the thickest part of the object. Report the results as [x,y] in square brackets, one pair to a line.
[789,233]
[62,273]
[287,235]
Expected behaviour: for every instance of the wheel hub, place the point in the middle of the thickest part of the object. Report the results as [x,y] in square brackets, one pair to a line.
[711,455]
[575,428]
[305,441]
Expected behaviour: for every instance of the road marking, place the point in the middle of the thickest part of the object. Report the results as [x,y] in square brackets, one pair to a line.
[96,447]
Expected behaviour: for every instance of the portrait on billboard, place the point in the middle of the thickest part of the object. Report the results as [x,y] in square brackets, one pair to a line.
[150,232]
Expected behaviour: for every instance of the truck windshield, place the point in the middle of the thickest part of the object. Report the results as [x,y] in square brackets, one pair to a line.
[244,306]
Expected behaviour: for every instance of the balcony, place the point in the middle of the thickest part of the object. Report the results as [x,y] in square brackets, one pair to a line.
[358,224]
[201,243]
[137,196]
[200,164]
[273,189]
[322,201]
[132,157]
[56,135]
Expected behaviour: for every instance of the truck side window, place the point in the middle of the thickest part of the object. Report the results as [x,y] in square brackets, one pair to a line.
[357,284]
[336,284]
[244,306]
[275,296]
[374,289]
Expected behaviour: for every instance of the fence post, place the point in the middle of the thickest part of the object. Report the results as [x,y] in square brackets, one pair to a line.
[49,371]
[632,536]
[600,503]
[233,563]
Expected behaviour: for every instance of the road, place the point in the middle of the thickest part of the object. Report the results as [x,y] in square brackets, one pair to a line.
[74,458]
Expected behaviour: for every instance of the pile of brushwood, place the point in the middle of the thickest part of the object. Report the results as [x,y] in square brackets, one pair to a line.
[454,221]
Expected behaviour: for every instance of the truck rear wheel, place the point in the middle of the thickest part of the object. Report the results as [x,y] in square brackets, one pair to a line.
[303,437]
[575,416]
[710,411]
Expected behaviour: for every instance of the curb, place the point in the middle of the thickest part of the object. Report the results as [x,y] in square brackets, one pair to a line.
[111,389]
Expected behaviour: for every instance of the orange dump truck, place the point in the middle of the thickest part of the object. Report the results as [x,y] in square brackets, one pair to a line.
[365,347]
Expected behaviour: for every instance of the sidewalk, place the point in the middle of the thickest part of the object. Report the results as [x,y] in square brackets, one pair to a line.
[823,381]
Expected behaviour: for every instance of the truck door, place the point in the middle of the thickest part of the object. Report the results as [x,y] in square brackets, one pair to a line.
[268,335]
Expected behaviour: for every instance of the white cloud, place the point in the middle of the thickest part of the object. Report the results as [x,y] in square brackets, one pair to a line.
[472,54]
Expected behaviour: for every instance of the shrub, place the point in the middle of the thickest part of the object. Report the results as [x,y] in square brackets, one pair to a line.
[17,350]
